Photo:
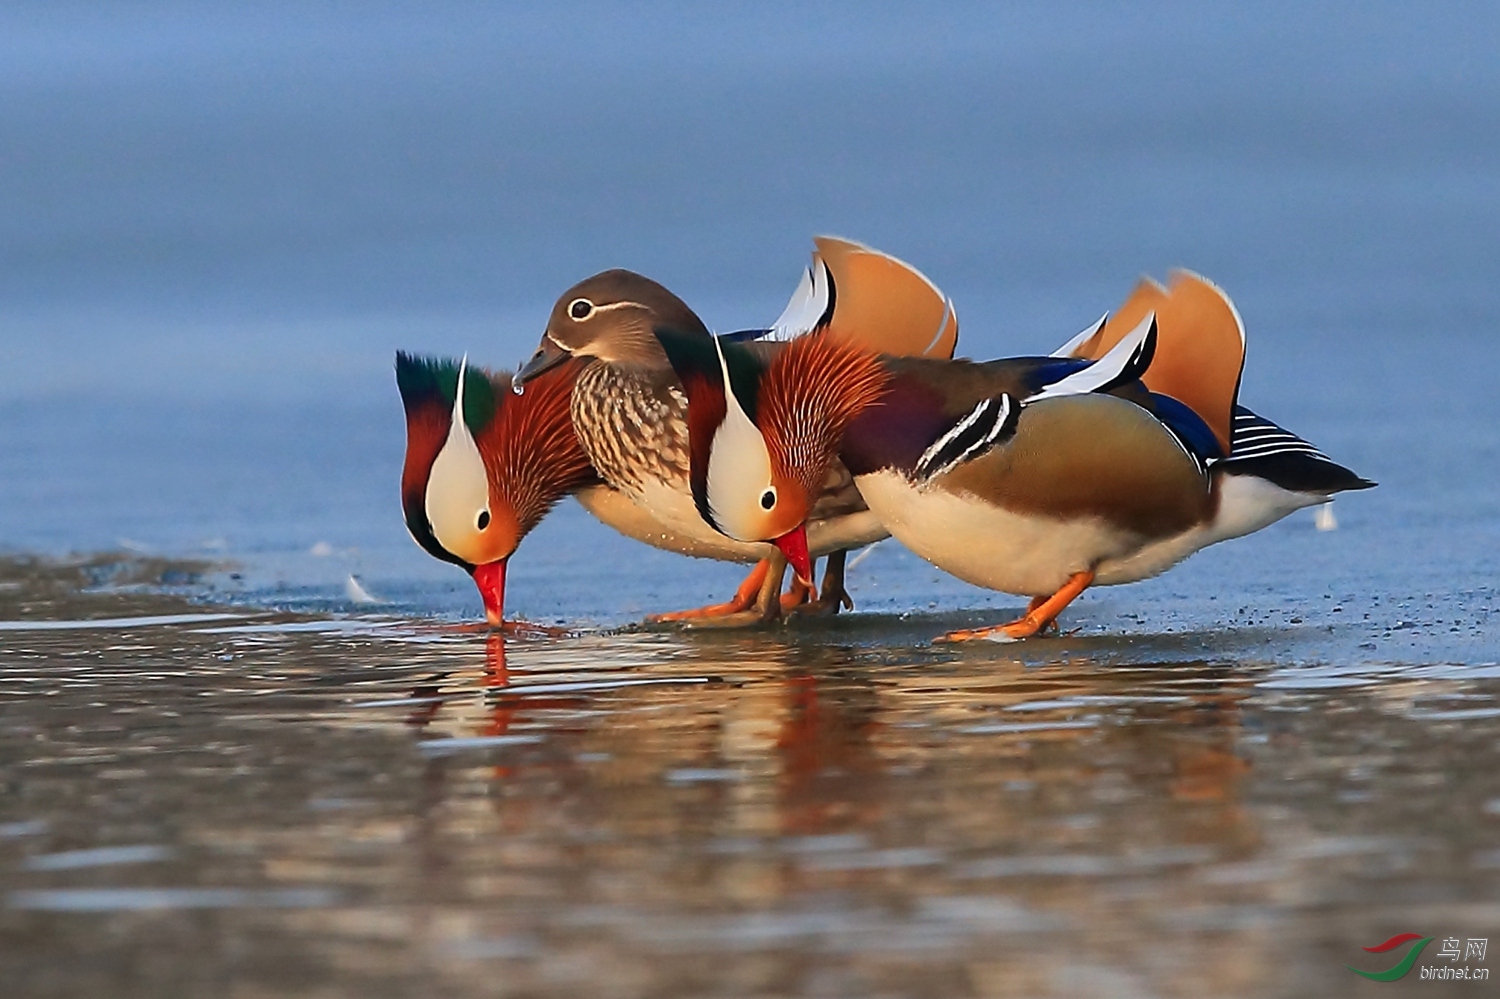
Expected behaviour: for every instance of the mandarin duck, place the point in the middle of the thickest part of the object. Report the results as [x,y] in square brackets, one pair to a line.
[483,466]
[630,412]
[1107,462]
[473,487]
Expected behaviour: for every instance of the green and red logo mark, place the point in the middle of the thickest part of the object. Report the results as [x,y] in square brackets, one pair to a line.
[1403,966]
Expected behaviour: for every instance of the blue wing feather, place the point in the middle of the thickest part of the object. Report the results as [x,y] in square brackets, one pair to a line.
[1188,427]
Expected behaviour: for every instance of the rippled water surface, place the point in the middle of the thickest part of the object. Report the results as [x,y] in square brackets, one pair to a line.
[246,803]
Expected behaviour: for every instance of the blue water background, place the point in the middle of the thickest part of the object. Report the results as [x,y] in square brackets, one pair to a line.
[218,224]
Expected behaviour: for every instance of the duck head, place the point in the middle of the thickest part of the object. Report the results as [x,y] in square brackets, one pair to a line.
[613,317]
[762,439]
[483,466]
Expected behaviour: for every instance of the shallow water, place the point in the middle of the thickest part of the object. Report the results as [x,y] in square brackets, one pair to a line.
[249,748]
[249,803]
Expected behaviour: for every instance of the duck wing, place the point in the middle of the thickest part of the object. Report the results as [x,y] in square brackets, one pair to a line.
[1200,350]
[870,298]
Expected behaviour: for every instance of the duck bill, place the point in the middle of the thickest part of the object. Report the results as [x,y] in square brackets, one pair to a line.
[490,578]
[793,545]
[548,356]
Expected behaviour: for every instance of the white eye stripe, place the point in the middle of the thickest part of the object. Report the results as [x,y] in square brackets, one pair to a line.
[591,309]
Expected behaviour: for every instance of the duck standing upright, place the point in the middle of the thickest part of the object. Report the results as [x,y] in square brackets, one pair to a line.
[630,411]
[1039,476]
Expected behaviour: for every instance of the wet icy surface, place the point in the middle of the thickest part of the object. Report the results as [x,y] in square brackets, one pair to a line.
[254,803]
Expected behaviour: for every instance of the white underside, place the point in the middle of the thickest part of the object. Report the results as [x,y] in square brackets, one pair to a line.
[986,545]
[1246,504]
[666,518]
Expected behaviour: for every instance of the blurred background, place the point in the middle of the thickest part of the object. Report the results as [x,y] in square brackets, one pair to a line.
[218,222]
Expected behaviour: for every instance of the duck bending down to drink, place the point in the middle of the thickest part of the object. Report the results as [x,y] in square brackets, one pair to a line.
[629,410]
[1107,462]
[487,458]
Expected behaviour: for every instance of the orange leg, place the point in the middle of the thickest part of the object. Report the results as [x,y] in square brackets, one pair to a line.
[1040,613]
[797,595]
[744,599]
[764,608]
[1032,607]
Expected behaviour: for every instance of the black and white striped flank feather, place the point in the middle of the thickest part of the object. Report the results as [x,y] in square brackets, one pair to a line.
[1254,436]
[991,422]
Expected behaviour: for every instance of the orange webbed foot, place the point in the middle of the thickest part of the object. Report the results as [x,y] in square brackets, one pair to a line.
[744,598]
[764,608]
[1040,614]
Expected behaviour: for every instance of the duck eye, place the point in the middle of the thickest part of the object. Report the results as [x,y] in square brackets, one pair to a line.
[768,499]
[484,519]
[580,308]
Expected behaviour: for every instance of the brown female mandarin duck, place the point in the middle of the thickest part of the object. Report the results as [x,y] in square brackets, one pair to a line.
[1106,463]
[484,463]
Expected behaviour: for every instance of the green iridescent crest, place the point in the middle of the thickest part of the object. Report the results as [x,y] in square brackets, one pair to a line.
[429,380]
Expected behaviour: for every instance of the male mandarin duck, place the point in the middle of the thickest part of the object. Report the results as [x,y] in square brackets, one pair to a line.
[1107,462]
[483,466]
[473,487]
[630,413]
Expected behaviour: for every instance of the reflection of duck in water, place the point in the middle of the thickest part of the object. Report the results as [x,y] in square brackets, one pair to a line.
[1038,476]
[830,778]
[501,704]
